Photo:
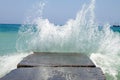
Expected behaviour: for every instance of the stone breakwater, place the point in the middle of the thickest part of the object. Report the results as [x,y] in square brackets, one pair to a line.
[55,66]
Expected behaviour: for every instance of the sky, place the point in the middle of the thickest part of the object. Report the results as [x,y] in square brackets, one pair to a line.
[58,11]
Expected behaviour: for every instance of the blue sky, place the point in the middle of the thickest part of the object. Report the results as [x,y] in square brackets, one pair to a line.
[59,11]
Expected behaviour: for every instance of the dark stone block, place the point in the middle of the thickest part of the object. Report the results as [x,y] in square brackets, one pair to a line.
[47,59]
[55,73]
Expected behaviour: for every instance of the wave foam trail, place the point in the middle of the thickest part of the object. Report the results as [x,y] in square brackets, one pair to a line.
[77,35]
[9,62]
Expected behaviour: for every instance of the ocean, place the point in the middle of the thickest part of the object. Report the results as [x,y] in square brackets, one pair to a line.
[9,56]
[8,37]
[80,35]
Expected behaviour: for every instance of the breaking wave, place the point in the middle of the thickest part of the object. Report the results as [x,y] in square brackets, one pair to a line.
[81,35]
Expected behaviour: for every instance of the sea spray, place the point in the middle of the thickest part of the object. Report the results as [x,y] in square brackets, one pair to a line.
[76,34]
[80,35]
[108,55]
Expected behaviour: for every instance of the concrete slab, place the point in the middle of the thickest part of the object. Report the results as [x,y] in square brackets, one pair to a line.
[48,59]
[55,73]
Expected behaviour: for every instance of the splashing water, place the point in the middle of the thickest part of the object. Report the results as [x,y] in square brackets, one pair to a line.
[45,36]
[78,35]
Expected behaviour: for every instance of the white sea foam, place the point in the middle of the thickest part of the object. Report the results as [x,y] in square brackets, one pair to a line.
[9,62]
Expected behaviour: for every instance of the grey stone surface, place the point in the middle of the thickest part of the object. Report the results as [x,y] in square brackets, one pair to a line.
[55,73]
[48,59]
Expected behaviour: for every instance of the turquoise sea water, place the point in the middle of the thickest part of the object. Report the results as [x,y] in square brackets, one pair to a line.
[8,37]
[9,56]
